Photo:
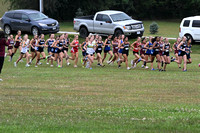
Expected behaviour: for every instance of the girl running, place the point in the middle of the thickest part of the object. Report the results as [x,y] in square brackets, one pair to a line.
[115,44]
[120,47]
[33,48]
[166,49]
[10,46]
[175,48]
[182,53]
[125,53]
[155,53]
[99,47]
[83,61]
[40,49]
[143,50]
[58,45]
[49,42]
[148,46]
[18,40]
[107,49]
[161,52]
[66,47]
[24,51]
[74,50]
[90,50]
[136,46]
[188,51]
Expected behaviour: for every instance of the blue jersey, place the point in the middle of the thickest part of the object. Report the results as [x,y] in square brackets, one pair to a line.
[50,43]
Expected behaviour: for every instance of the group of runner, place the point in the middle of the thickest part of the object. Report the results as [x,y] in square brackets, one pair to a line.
[144,49]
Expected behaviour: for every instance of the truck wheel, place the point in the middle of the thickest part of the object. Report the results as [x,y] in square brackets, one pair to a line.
[118,32]
[83,32]
[188,36]
[7,29]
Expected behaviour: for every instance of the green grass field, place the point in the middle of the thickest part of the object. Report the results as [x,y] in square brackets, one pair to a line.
[103,100]
[167,28]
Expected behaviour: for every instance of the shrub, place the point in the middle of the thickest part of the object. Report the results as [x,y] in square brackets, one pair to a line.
[154,28]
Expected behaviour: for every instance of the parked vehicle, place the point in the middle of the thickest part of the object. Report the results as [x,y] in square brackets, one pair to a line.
[190,27]
[28,20]
[108,22]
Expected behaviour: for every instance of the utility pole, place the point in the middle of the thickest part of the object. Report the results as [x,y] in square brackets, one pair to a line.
[41,5]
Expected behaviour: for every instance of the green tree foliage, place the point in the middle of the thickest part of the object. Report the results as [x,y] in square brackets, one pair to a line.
[138,9]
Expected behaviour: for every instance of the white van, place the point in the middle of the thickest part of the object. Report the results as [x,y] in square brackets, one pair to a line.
[190,27]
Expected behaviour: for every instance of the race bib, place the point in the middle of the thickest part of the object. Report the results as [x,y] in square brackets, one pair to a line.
[99,48]
[126,48]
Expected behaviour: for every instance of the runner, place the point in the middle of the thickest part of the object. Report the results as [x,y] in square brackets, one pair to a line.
[74,50]
[24,51]
[161,52]
[148,46]
[18,40]
[143,50]
[33,48]
[136,47]
[188,51]
[84,59]
[175,48]
[115,44]
[155,53]
[120,47]
[125,53]
[182,54]
[66,47]
[10,46]
[49,42]
[107,49]
[99,47]
[40,49]
[166,49]
[90,51]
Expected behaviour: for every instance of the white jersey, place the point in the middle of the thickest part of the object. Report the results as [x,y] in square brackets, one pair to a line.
[90,48]
[25,49]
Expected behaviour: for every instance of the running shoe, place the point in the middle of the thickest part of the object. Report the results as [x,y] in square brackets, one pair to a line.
[15,64]
[90,68]
[1,80]
[132,62]
[146,67]
[27,65]
[51,65]
[128,68]
[47,63]
[75,66]
[153,69]
[68,63]
[142,66]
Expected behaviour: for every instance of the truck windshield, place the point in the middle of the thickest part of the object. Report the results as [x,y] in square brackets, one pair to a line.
[37,16]
[120,17]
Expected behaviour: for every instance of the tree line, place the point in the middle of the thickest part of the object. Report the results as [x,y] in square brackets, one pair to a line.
[138,9]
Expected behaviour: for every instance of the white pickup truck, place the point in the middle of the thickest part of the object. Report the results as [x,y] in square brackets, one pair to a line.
[108,22]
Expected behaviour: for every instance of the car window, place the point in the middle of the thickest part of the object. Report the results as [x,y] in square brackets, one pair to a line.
[196,23]
[18,16]
[106,18]
[99,17]
[24,17]
[186,23]
[9,15]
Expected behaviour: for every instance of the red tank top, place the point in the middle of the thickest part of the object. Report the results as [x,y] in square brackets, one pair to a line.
[76,43]
[136,47]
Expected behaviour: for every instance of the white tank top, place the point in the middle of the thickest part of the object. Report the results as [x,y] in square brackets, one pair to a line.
[25,49]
